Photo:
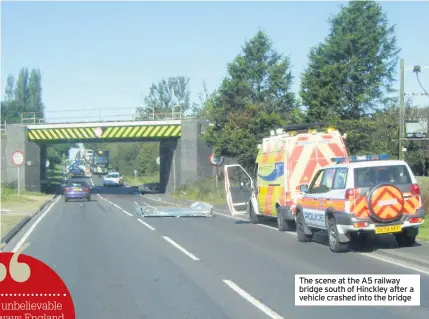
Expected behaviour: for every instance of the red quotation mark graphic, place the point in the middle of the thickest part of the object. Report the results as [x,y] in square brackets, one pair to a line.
[31,289]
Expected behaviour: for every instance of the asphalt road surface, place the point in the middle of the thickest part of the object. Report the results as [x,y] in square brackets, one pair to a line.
[118,265]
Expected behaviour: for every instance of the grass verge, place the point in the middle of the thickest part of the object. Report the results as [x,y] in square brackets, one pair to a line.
[137,181]
[424,186]
[203,190]
[15,208]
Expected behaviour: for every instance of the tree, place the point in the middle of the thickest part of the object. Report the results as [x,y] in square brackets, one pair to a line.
[10,85]
[35,91]
[21,90]
[255,97]
[166,98]
[351,73]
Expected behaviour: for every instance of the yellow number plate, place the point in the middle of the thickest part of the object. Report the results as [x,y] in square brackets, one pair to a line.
[388,229]
[78,189]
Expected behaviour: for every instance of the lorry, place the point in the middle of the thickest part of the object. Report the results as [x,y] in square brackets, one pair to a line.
[100,162]
[286,159]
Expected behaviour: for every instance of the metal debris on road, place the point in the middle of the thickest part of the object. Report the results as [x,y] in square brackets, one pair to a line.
[197,209]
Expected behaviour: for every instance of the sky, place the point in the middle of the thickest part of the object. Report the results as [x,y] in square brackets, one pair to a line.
[102,57]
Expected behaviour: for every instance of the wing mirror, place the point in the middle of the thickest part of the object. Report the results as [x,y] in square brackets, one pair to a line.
[303,188]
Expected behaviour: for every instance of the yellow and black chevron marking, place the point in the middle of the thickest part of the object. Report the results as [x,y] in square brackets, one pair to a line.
[114,132]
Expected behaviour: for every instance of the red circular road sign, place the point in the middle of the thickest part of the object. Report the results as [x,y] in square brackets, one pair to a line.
[98,132]
[18,158]
[216,160]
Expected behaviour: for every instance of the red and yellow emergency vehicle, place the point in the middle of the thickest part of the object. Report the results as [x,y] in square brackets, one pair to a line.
[288,158]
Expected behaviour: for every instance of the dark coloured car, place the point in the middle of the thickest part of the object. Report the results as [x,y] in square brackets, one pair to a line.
[76,171]
[77,190]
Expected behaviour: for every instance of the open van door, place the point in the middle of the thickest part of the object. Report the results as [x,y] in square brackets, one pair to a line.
[239,188]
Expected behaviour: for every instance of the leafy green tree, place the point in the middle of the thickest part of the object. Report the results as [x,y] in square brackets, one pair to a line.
[166,98]
[21,90]
[350,75]
[24,96]
[255,97]
[9,90]
[35,91]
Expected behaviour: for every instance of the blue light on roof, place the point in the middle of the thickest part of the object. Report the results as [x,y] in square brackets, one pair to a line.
[360,158]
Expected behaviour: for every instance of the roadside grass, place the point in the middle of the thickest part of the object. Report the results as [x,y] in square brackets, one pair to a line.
[424,186]
[15,208]
[203,190]
[137,181]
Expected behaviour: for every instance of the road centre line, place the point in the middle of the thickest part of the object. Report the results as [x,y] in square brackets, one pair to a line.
[270,313]
[146,224]
[183,250]
[33,227]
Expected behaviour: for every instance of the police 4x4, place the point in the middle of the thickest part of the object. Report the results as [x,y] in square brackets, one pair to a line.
[361,196]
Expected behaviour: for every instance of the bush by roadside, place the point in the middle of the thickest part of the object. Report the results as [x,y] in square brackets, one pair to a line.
[203,190]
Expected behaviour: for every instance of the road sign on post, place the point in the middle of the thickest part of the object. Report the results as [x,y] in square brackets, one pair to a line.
[18,160]
[216,160]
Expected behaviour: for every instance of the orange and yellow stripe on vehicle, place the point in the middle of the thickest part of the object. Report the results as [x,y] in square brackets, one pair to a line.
[271,193]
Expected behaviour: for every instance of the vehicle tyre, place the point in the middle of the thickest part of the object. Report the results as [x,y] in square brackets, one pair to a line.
[300,233]
[88,198]
[254,219]
[65,199]
[405,240]
[283,224]
[334,242]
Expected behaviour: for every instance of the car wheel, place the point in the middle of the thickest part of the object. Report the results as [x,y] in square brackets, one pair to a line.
[300,225]
[404,240]
[65,200]
[88,198]
[334,242]
[283,224]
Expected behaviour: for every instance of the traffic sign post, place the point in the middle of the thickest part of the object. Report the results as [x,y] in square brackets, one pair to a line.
[18,160]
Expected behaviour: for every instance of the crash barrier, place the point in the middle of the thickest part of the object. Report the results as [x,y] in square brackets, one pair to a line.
[197,209]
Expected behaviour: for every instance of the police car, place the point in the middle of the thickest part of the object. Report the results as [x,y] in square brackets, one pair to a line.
[361,196]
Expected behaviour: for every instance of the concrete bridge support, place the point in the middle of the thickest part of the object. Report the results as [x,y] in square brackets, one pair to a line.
[186,159]
[183,160]
[15,139]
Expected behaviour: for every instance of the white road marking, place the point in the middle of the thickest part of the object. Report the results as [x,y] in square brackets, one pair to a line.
[92,182]
[146,224]
[270,313]
[183,250]
[127,212]
[33,227]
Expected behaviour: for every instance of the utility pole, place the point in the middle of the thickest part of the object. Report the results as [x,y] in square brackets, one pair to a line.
[401,110]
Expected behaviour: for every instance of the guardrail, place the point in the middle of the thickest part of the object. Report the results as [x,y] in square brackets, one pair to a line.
[102,116]
[32,118]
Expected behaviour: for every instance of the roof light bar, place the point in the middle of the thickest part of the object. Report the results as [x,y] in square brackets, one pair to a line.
[360,158]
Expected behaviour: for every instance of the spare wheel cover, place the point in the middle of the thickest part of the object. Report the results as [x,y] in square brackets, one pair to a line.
[386,202]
